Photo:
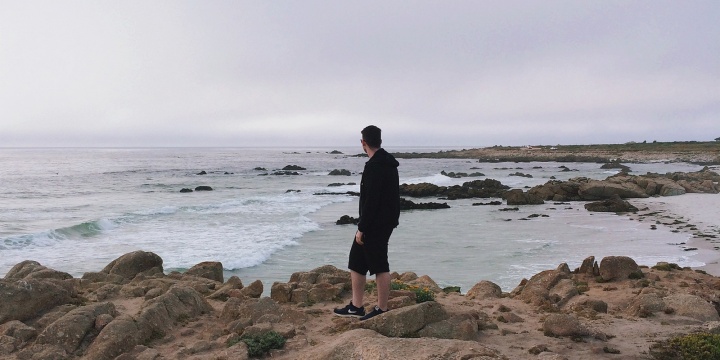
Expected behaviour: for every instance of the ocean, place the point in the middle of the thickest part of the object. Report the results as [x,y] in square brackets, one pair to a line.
[77,209]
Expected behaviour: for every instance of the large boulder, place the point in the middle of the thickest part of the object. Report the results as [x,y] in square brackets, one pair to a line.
[119,336]
[518,197]
[69,331]
[538,289]
[618,268]
[644,305]
[484,290]
[598,190]
[29,269]
[212,270]
[26,299]
[369,345]
[130,265]
[406,321]
[564,325]
[692,306]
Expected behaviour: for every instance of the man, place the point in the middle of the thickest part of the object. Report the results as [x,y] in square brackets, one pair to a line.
[379,214]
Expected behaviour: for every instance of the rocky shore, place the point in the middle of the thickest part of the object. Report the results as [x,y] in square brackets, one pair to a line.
[704,153]
[131,309]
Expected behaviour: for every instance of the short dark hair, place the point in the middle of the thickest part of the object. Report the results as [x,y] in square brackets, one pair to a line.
[371,135]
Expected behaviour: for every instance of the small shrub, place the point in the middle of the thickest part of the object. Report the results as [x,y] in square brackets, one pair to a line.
[698,346]
[259,345]
[422,294]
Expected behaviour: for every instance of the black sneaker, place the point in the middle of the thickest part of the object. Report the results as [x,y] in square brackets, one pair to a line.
[375,312]
[350,311]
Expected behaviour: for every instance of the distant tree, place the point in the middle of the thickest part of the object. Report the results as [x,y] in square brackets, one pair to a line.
[717,139]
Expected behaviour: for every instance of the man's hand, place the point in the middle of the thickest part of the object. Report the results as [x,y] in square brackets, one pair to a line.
[359,237]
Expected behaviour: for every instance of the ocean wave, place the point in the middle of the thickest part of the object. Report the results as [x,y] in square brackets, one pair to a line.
[51,237]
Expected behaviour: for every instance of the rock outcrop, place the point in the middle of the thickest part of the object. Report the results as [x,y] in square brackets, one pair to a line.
[131,311]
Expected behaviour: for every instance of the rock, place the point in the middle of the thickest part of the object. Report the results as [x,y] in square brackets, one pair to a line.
[618,268]
[18,330]
[186,190]
[34,270]
[521,174]
[251,309]
[369,345]
[119,336]
[614,204]
[293,168]
[154,321]
[563,291]
[692,306]
[616,165]
[518,197]
[595,305]
[406,321]
[644,305]
[254,290]
[598,190]
[461,327]
[484,290]
[69,331]
[203,188]
[426,282]
[471,189]
[131,264]
[589,267]
[537,290]
[409,205]
[347,220]
[672,190]
[25,299]
[212,270]
[341,172]
[233,283]
[564,325]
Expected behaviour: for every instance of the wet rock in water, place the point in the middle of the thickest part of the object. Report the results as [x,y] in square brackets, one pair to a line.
[616,165]
[341,172]
[186,190]
[409,205]
[614,204]
[202,173]
[521,174]
[347,220]
[293,167]
[518,197]
[203,188]
[487,203]
[286,173]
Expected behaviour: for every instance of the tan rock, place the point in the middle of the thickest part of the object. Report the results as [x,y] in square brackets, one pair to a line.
[564,325]
[212,270]
[406,321]
[484,290]
[130,265]
[692,306]
[618,268]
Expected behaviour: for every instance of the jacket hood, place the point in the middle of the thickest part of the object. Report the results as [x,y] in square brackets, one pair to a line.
[383,157]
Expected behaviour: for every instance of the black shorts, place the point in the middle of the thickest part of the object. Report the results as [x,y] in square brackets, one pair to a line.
[372,256]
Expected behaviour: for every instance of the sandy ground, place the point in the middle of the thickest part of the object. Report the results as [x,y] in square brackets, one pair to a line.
[696,214]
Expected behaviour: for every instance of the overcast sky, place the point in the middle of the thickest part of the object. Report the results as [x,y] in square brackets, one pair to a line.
[314,73]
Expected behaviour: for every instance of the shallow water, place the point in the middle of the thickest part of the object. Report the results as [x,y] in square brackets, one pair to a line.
[76,210]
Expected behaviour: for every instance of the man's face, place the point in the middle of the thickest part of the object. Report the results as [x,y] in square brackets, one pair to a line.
[364,145]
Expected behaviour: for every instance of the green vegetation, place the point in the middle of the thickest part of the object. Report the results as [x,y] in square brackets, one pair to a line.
[259,345]
[697,346]
[422,294]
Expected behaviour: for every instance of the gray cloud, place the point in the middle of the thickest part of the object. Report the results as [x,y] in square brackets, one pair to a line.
[236,73]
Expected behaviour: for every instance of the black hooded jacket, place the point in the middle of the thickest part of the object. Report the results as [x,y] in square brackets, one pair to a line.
[379,193]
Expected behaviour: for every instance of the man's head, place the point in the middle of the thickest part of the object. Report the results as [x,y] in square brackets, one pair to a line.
[371,136]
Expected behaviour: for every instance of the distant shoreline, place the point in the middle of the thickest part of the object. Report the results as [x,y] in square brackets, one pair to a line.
[701,153]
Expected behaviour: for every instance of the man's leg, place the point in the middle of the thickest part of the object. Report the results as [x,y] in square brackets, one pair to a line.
[358,287]
[383,289]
